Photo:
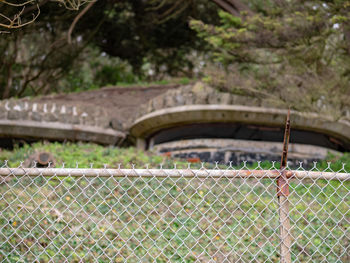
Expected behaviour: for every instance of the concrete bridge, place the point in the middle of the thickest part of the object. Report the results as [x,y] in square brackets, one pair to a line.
[191,121]
[24,119]
[199,122]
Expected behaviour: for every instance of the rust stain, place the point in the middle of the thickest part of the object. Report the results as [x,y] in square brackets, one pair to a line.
[166,154]
[335,141]
[193,160]
[282,180]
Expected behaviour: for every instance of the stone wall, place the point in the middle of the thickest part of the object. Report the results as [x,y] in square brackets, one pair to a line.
[202,94]
[197,94]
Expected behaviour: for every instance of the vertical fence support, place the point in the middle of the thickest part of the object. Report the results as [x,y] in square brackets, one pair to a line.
[283,202]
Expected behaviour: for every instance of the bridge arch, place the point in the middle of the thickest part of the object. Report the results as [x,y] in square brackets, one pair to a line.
[312,135]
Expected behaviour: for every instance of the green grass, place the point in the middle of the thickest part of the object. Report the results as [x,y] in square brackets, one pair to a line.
[177,220]
[84,154]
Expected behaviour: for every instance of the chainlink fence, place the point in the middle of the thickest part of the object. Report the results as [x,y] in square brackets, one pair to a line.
[171,215]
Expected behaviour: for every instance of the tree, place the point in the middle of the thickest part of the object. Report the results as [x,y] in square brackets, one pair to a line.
[18,14]
[12,15]
[154,32]
[38,57]
[35,57]
[292,53]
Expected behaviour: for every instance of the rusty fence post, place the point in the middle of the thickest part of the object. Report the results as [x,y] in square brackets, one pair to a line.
[283,202]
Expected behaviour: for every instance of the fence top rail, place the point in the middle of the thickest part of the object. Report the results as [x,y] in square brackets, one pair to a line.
[175,173]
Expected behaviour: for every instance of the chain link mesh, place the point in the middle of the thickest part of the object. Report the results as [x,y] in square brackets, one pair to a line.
[170,218]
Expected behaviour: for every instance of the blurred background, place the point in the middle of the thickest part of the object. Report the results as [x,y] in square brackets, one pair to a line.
[291,54]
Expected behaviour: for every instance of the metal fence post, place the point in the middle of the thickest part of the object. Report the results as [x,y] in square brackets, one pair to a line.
[283,202]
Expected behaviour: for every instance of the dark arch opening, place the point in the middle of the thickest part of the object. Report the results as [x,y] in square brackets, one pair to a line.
[246,132]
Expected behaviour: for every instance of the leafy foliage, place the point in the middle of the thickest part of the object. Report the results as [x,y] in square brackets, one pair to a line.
[96,70]
[115,41]
[295,54]
[150,33]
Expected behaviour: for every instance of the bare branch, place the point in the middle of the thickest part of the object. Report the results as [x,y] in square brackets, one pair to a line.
[8,19]
[240,6]
[173,11]
[73,4]
[227,7]
[16,21]
[17,5]
[234,7]
[76,19]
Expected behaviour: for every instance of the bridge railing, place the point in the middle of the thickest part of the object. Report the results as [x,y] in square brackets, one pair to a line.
[173,215]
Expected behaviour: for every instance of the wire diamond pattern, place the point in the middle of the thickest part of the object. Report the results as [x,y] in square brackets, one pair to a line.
[170,218]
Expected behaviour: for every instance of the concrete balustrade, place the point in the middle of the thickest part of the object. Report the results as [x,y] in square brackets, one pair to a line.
[33,120]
